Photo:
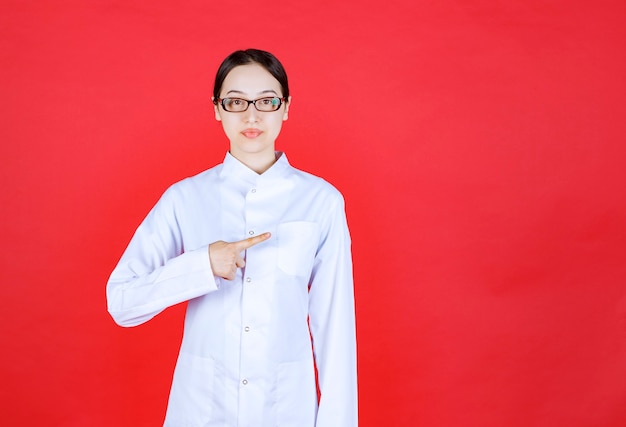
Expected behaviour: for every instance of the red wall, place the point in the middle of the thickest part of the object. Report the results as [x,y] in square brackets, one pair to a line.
[480,147]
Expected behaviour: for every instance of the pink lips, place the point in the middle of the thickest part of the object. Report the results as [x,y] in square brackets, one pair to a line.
[251,133]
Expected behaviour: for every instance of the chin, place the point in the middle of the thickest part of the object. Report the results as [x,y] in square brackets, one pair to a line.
[253,147]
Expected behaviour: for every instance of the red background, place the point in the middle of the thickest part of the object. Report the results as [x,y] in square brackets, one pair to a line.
[479,146]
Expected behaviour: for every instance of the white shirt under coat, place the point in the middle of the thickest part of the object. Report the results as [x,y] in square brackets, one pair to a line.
[250,345]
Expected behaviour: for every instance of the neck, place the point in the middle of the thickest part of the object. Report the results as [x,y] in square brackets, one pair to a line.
[258,162]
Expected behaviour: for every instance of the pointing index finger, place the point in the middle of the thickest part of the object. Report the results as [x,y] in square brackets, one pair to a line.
[251,241]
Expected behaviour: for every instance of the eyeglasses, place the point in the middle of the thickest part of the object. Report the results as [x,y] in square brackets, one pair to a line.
[239,105]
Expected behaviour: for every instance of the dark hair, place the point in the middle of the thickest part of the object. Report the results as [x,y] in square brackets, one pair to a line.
[251,56]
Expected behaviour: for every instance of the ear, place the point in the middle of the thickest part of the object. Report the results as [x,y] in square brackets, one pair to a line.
[287,105]
[216,109]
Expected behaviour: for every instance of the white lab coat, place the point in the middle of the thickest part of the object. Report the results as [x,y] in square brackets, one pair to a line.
[250,345]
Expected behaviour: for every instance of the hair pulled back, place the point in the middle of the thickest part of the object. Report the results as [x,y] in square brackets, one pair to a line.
[251,56]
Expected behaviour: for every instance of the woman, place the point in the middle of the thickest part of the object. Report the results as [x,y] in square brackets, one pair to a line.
[261,251]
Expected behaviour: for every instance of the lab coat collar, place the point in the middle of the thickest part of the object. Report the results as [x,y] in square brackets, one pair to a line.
[233,167]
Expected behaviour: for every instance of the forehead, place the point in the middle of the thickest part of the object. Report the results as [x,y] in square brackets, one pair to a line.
[250,79]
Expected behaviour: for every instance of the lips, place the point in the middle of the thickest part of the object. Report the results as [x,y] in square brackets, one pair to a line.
[251,133]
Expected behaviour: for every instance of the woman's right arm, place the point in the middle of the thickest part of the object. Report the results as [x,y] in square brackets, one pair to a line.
[155,272]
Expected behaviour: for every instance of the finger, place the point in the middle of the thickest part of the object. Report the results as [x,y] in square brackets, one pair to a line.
[231,274]
[239,262]
[251,241]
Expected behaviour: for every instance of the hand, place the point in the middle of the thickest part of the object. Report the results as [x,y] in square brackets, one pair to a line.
[226,257]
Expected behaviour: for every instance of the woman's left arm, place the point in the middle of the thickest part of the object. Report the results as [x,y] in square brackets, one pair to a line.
[332,323]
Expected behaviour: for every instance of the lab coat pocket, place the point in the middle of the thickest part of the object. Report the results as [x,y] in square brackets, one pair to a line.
[296,395]
[191,397]
[297,245]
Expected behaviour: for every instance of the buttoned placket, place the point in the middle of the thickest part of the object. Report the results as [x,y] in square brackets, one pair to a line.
[253,362]
[247,341]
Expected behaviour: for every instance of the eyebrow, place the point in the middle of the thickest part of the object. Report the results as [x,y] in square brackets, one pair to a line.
[260,93]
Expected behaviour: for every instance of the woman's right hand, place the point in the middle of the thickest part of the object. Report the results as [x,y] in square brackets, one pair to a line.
[226,257]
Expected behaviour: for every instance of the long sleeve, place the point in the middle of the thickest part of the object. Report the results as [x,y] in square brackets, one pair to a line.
[332,323]
[155,271]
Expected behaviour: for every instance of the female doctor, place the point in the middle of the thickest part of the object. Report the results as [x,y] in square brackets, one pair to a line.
[261,252]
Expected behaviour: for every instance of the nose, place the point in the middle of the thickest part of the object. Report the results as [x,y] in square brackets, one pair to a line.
[251,115]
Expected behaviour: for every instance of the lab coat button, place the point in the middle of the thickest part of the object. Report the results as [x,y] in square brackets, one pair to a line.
[248,279]
[247,329]
[244,382]
[251,232]
[253,190]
